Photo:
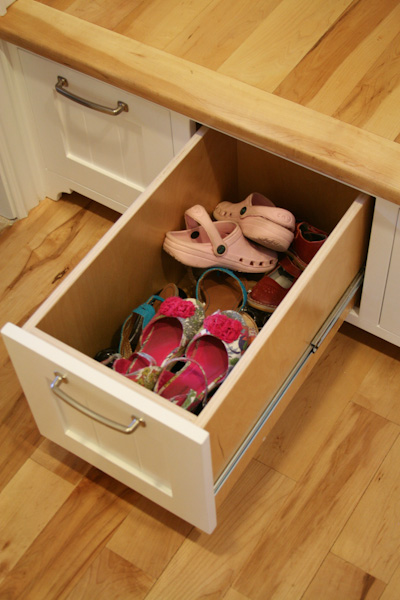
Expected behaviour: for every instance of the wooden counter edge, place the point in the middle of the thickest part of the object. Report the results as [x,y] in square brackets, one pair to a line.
[354,156]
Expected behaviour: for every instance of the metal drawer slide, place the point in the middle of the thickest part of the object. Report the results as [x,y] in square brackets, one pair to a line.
[311,349]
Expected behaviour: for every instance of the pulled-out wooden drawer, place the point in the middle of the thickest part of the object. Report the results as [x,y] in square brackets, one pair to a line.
[185,462]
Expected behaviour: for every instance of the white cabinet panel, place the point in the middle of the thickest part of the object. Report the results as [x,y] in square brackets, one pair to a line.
[4,4]
[380,300]
[101,155]
[390,316]
[167,458]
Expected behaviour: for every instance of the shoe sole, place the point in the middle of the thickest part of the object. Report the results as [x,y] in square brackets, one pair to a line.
[267,234]
[194,260]
[268,308]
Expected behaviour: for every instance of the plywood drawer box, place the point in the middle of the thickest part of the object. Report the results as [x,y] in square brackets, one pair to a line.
[84,147]
[185,462]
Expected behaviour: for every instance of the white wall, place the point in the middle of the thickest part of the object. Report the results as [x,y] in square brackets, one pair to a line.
[5,208]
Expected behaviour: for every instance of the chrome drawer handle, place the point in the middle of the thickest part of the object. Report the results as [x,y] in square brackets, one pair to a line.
[62,83]
[55,388]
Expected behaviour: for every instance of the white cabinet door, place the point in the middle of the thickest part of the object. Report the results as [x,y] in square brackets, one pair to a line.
[166,458]
[390,316]
[380,300]
[104,156]
[4,4]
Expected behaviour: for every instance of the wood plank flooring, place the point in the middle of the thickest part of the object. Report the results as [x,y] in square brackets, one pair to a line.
[315,515]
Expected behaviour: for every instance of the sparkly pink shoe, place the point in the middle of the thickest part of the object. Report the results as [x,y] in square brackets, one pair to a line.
[140,367]
[165,337]
[209,358]
[260,220]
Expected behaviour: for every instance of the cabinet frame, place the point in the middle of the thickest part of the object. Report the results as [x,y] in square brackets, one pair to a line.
[379,287]
[27,172]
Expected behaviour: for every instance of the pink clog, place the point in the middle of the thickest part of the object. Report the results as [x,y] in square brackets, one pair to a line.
[216,244]
[260,220]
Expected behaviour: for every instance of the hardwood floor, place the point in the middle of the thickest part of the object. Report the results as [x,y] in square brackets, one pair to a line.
[315,515]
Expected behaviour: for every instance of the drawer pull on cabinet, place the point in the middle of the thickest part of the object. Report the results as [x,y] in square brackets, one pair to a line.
[62,83]
[55,388]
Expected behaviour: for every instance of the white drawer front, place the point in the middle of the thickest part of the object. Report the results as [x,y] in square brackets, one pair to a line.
[378,312]
[167,458]
[113,156]
[390,317]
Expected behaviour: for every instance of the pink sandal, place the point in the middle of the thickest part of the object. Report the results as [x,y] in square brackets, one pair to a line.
[209,358]
[140,367]
[260,221]
[165,337]
[216,244]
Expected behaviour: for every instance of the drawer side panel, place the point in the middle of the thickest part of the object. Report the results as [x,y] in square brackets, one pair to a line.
[240,400]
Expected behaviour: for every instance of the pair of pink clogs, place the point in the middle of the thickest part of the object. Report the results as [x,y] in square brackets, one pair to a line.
[225,242]
[207,346]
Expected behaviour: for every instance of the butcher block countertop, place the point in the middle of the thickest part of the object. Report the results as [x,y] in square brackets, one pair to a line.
[315,81]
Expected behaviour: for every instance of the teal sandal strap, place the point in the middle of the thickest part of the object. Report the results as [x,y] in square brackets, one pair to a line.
[146,310]
[153,298]
[228,272]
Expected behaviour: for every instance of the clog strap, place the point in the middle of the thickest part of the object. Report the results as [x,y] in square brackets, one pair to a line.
[258,211]
[257,205]
[280,216]
[228,272]
[197,215]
